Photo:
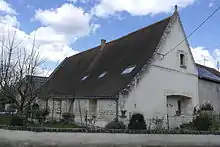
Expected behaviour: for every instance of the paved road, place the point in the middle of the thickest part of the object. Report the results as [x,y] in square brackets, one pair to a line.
[21,138]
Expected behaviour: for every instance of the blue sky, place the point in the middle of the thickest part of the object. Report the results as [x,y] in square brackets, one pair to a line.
[65,27]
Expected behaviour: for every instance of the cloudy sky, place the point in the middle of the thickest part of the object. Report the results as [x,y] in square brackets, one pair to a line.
[65,27]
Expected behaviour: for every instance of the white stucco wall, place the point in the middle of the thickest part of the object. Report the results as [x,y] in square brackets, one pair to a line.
[209,92]
[166,77]
[105,110]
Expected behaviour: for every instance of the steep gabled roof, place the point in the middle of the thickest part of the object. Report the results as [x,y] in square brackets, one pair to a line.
[208,73]
[134,49]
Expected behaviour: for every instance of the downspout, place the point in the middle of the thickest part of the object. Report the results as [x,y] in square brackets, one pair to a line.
[116,100]
[135,88]
[53,110]
[218,96]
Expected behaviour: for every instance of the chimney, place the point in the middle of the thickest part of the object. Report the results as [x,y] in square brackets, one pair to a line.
[103,42]
[218,65]
[176,8]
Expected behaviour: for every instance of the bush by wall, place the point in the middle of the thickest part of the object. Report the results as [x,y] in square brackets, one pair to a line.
[68,117]
[137,122]
[115,125]
[204,119]
[202,122]
[206,107]
[17,121]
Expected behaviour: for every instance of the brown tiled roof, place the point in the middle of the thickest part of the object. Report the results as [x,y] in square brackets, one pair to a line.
[134,49]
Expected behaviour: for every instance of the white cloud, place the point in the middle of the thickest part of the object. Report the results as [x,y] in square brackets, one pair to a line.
[67,20]
[9,20]
[51,51]
[137,7]
[8,14]
[60,27]
[56,51]
[45,35]
[205,57]
[6,7]
[211,4]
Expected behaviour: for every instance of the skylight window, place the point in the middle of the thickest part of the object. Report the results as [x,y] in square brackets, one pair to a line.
[84,78]
[102,75]
[128,70]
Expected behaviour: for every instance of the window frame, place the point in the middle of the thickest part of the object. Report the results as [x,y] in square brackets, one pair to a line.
[84,77]
[128,70]
[102,74]
[182,59]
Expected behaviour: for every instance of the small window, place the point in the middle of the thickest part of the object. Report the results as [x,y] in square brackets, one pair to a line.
[182,61]
[128,70]
[102,75]
[84,78]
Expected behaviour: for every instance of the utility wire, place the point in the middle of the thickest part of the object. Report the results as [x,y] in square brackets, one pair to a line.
[194,30]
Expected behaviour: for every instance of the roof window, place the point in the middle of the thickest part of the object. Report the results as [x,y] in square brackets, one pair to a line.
[102,75]
[85,77]
[128,70]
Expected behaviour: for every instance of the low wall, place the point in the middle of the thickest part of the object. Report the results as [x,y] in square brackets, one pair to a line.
[32,139]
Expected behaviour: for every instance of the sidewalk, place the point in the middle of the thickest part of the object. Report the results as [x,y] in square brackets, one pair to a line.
[104,140]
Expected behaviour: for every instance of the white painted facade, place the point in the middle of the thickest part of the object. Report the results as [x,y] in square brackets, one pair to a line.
[166,78]
[210,92]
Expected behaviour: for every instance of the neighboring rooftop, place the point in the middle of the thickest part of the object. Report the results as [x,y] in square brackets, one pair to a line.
[208,73]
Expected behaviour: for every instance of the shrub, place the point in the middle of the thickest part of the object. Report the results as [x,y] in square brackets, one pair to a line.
[68,117]
[17,121]
[202,122]
[187,126]
[52,122]
[137,122]
[115,125]
[41,115]
[206,107]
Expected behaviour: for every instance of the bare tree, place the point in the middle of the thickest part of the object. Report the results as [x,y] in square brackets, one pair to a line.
[18,65]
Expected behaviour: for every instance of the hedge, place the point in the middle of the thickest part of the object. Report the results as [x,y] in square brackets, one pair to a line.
[124,131]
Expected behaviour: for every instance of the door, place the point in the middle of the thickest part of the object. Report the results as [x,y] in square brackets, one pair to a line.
[172,106]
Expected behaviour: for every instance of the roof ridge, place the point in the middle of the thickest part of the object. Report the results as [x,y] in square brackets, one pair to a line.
[140,29]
